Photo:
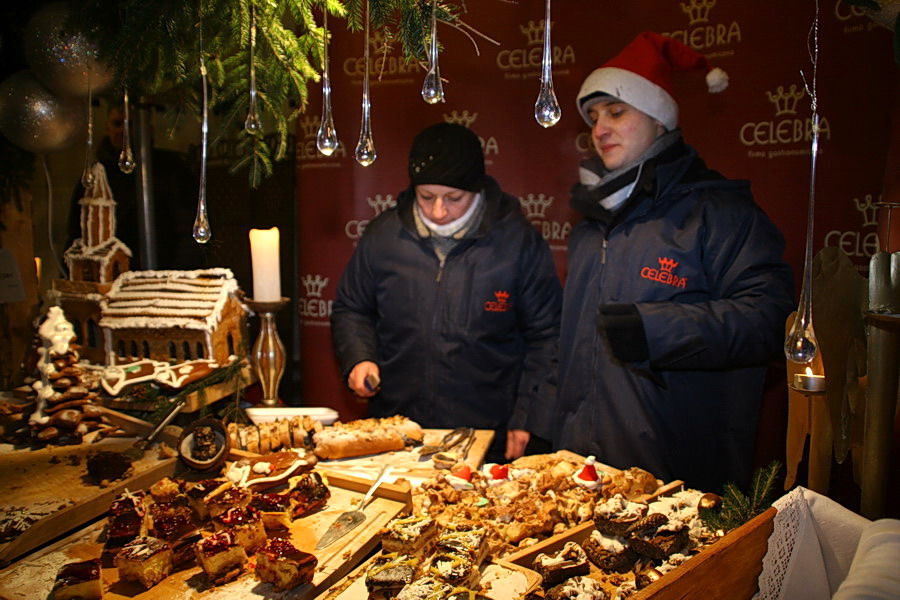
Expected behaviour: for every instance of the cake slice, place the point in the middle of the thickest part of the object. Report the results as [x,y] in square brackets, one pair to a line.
[424,588]
[578,588]
[233,497]
[78,580]
[196,494]
[165,490]
[278,562]
[465,539]
[617,514]
[171,520]
[146,560]
[309,493]
[609,553]
[276,509]
[220,556]
[464,593]
[246,525]
[568,562]
[127,519]
[454,569]
[390,573]
[413,535]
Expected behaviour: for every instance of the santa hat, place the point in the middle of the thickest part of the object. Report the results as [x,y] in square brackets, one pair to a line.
[641,75]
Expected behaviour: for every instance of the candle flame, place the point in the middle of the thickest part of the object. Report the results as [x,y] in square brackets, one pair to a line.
[809,371]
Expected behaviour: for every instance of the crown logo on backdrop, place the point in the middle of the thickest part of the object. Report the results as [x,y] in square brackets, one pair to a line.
[464,118]
[534,31]
[698,10]
[502,296]
[868,209]
[314,285]
[310,126]
[535,205]
[785,101]
[667,264]
[381,203]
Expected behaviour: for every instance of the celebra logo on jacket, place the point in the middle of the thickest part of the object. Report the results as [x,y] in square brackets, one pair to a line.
[501,304]
[664,273]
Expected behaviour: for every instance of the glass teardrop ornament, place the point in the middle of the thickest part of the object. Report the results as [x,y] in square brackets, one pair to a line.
[800,345]
[432,87]
[126,157]
[326,138]
[365,148]
[546,109]
[87,178]
[201,231]
[251,123]
[126,161]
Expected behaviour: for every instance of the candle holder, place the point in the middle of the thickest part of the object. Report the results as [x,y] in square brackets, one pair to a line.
[808,383]
[268,351]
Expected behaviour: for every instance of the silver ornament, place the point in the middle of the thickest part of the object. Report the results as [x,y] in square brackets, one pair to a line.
[63,59]
[34,119]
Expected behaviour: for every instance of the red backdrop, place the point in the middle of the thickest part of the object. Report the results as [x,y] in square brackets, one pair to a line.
[758,129]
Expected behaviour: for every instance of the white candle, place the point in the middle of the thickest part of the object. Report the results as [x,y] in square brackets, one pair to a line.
[266,267]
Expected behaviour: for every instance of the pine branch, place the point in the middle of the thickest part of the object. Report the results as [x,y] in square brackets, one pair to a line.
[737,508]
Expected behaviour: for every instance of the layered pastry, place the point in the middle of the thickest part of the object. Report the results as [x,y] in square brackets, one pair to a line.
[127,519]
[466,539]
[309,493]
[78,580]
[233,497]
[390,573]
[366,436]
[146,560]
[196,494]
[610,553]
[462,593]
[171,520]
[656,537]
[246,525]
[165,490]
[577,588]
[454,569]
[425,588]
[415,535]
[568,562]
[220,556]
[278,562]
[276,509]
[617,514]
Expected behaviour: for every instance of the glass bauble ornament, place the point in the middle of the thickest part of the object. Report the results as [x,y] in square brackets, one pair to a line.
[35,119]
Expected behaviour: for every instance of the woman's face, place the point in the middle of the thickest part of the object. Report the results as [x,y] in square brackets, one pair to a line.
[442,204]
[620,132]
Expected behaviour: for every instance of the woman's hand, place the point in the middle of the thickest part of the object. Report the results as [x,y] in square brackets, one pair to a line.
[516,440]
[356,381]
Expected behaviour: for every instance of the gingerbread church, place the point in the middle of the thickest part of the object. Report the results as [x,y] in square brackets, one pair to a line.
[122,316]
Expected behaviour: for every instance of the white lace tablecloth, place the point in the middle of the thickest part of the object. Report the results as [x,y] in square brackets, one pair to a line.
[813,545]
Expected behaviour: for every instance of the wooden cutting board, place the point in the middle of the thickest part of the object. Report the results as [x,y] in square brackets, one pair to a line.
[52,483]
[33,576]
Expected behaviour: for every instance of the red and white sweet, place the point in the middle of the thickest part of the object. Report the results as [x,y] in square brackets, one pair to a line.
[495,473]
[587,476]
[461,478]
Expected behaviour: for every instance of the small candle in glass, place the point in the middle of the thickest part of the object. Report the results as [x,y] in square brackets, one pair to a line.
[808,382]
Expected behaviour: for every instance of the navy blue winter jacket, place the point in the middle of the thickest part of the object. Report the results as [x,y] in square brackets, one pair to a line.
[469,344]
[691,294]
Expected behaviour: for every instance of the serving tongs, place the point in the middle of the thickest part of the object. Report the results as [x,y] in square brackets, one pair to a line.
[449,440]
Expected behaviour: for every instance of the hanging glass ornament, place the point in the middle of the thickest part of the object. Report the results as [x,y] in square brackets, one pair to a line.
[126,157]
[432,87]
[800,345]
[546,109]
[201,231]
[326,139]
[365,147]
[251,123]
[87,174]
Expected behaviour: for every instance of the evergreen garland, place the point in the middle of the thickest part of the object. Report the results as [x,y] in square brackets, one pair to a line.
[153,47]
[737,508]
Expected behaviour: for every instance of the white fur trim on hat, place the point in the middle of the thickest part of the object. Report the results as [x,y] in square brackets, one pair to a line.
[633,89]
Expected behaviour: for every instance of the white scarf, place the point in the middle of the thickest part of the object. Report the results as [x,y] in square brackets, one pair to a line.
[448,229]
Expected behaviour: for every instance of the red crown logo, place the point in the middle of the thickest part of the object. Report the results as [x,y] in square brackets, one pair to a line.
[667,264]
[502,296]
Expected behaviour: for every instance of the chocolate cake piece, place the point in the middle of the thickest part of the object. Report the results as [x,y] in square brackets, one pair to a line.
[425,588]
[617,514]
[233,497]
[196,494]
[107,466]
[391,572]
[577,588]
[465,539]
[463,593]
[246,524]
[278,562]
[220,556]
[276,509]
[146,560]
[309,493]
[78,581]
[415,535]
[609,553]
[454,569]
[657,538]
[127,519]
[171,520]
[568,562]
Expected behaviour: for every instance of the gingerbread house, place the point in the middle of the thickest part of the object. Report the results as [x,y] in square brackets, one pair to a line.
[94,261]
[174,316]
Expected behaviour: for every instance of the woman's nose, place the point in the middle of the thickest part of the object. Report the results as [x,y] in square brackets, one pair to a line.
[439,210]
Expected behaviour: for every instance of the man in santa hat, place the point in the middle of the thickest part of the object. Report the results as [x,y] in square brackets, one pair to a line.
[676,296]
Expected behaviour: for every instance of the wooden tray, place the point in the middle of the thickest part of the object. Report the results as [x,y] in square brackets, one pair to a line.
[53,481]
[728,569]
[33,577]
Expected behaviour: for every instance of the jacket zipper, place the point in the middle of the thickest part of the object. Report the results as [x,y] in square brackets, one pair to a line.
[603,251]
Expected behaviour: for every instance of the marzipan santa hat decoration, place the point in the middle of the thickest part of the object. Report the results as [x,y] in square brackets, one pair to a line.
[641,75]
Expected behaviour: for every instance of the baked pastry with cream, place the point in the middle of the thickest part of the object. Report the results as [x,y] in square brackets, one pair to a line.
[220,556]
[78,581]
[246,525]
[278,562]
[415,535]
[568,562]
[146,560]
[389,573]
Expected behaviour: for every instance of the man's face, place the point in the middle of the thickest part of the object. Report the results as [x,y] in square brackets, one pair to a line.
[442,204]
[620,132]
[115,128]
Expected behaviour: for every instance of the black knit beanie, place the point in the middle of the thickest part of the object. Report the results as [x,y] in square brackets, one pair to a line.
[447,154]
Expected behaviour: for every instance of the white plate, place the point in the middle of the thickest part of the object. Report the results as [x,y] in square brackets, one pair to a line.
[267,414]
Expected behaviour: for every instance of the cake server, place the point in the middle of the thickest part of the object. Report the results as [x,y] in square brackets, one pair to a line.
[136,451]
[352,518]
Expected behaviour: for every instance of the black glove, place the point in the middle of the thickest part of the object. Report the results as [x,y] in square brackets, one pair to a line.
[623,328]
